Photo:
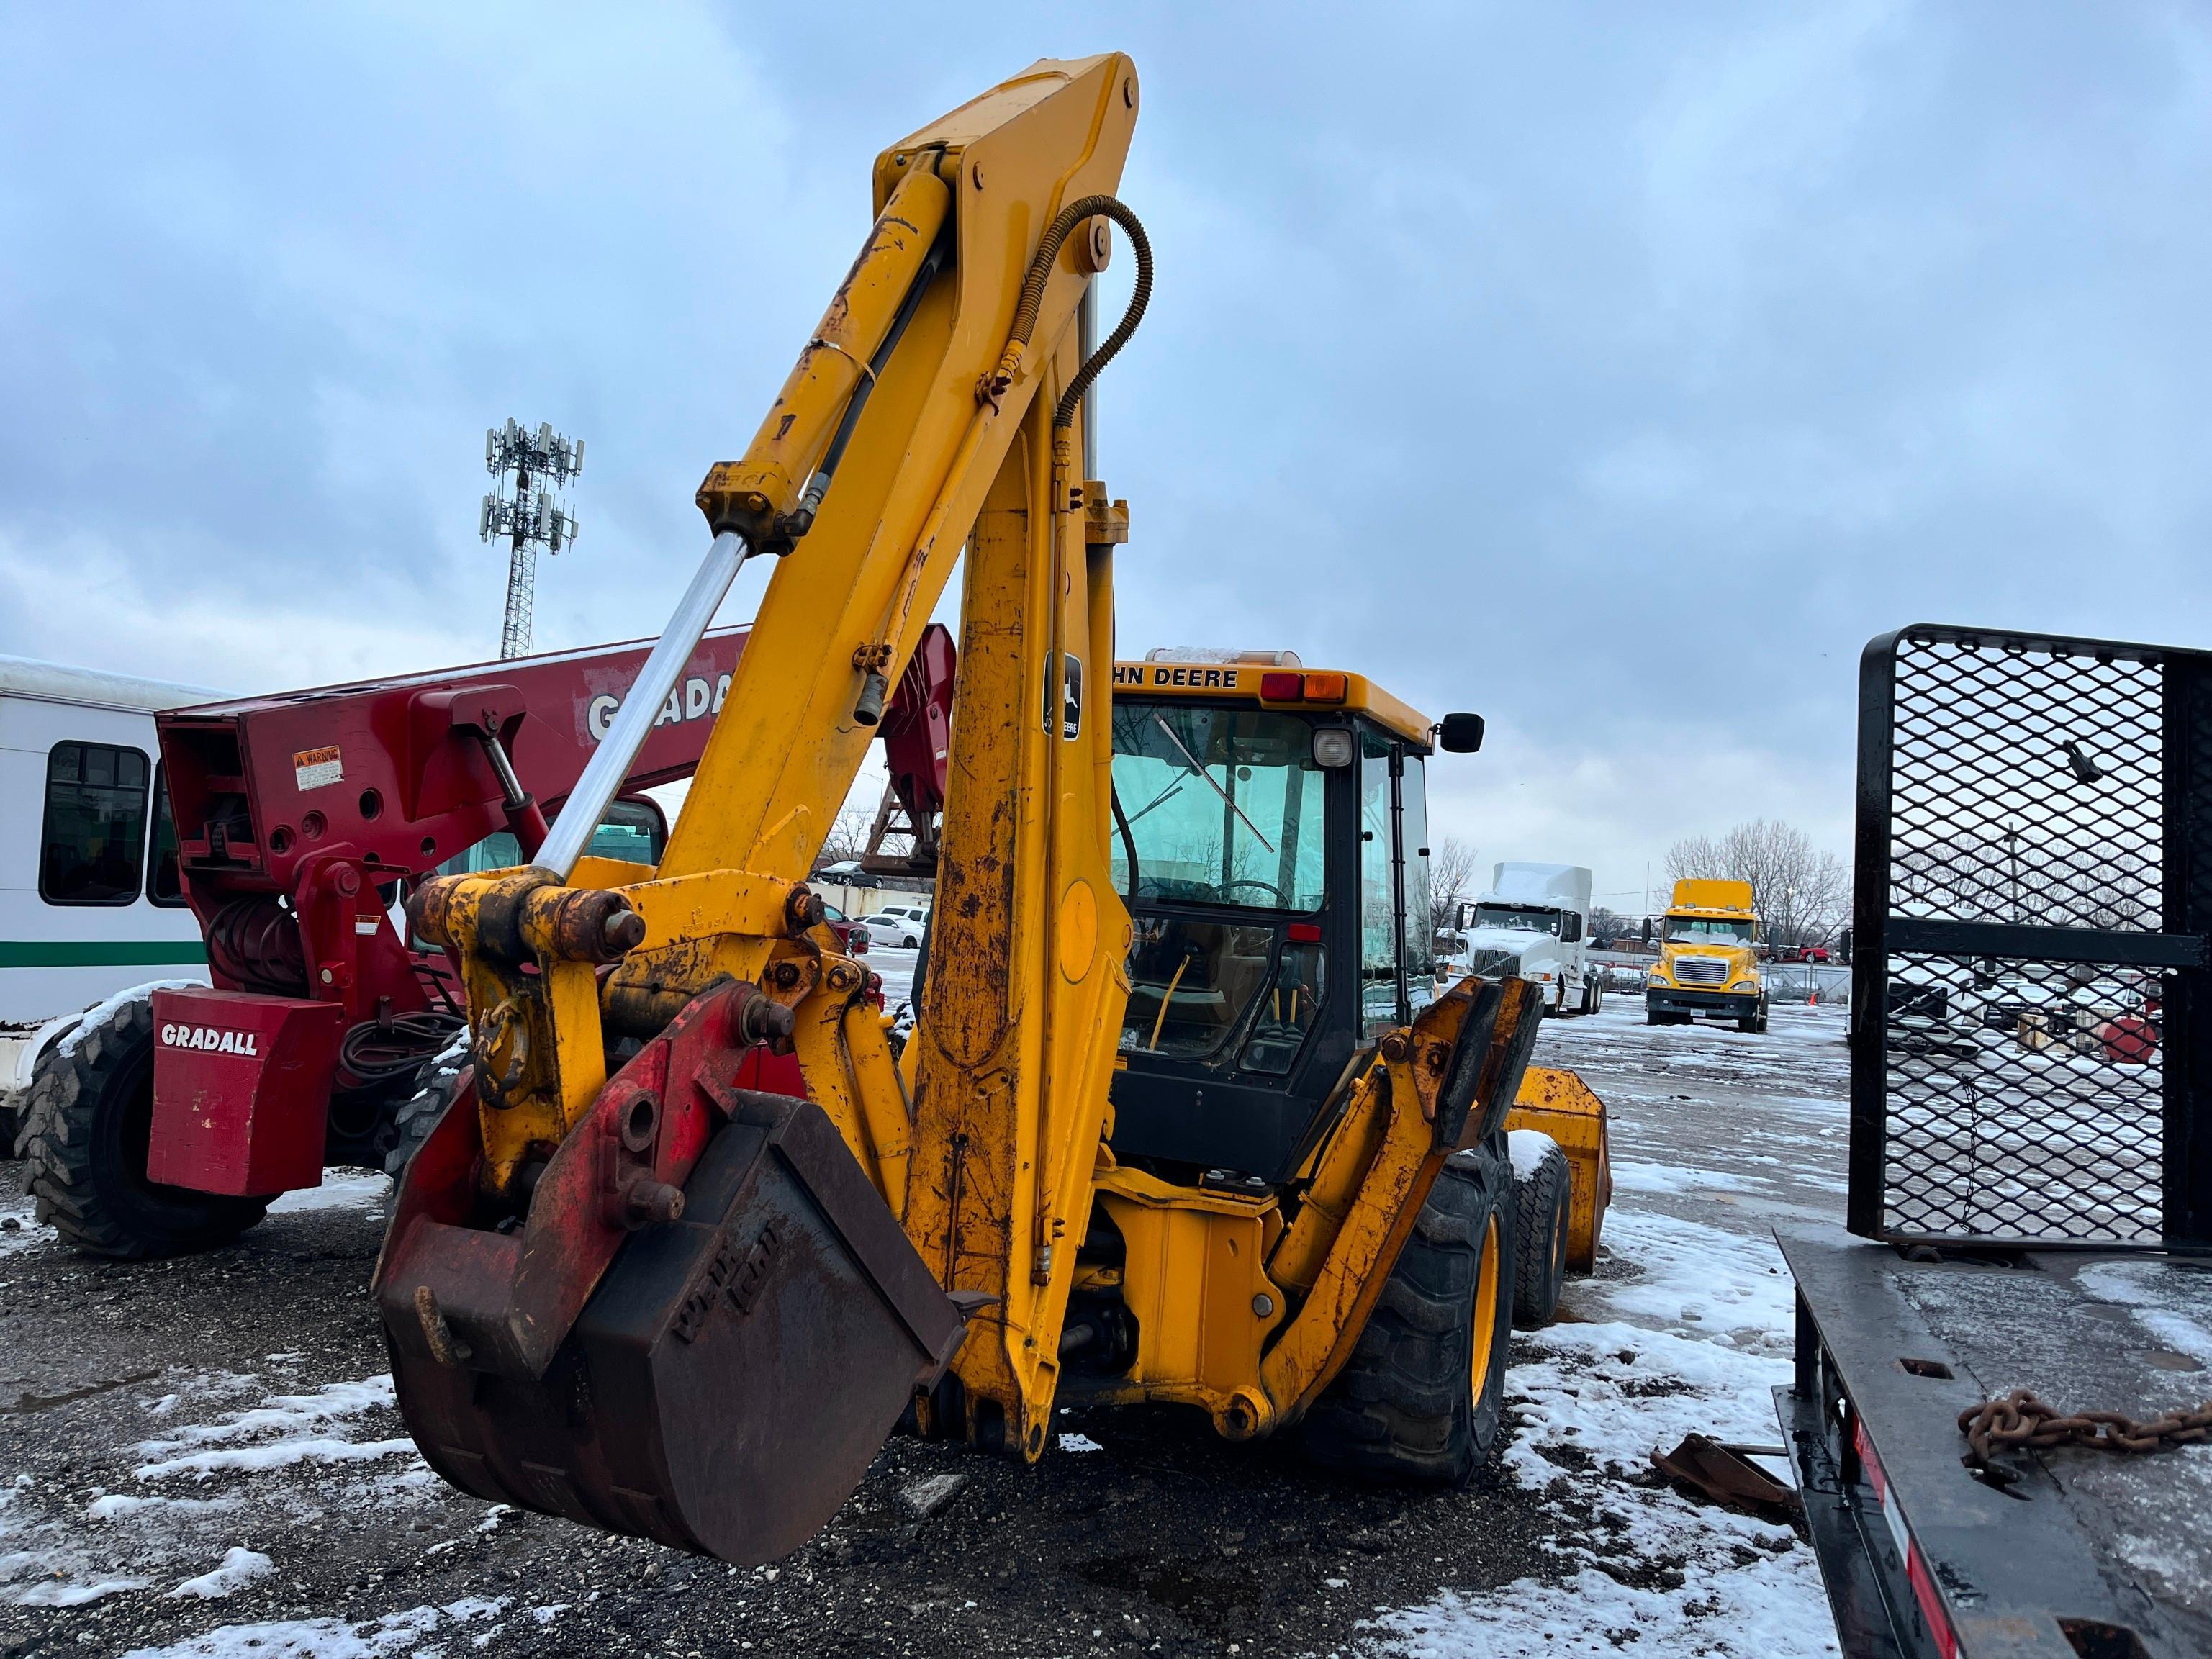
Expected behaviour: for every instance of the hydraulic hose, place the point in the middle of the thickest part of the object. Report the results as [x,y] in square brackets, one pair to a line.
[1032,299]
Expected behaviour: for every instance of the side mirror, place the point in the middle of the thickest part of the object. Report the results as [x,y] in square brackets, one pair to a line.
[1647,930]
[1844,945]
[1460,734]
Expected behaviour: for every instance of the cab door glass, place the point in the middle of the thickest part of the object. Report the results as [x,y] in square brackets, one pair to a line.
[1378,928]
[1420,934]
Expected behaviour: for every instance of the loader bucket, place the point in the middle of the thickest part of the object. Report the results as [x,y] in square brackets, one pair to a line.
[733,1375]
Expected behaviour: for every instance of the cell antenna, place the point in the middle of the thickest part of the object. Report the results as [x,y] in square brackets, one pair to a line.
[528,515]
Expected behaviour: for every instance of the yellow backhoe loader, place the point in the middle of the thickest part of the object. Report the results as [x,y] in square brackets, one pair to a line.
[1185,1116]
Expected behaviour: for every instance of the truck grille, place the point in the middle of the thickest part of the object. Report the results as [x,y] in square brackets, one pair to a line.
[1494,964]
[1701,971]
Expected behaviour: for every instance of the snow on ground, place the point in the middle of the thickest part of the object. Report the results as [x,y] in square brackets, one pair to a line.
[357,1191]
[897,967]
[58,1548]
[26,1231]
[336,1638]
[1686,1328]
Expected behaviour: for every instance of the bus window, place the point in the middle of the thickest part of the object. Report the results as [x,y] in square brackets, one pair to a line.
[92,845]
[163,885]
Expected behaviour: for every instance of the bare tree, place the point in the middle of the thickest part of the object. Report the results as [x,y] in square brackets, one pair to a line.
[1799,894]
[849,835]
[1606,923]
[1451,874]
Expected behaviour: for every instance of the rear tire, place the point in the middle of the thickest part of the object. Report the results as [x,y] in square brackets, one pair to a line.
[87,1121]
[1422,1398]
[421,1112]
[1539,1236]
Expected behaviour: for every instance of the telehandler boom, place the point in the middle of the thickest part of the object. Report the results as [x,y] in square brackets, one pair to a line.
[621,1287]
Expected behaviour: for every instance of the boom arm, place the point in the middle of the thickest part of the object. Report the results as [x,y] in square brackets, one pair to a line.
[936,405]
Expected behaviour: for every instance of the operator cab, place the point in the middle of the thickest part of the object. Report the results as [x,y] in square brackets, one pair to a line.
[1270,839]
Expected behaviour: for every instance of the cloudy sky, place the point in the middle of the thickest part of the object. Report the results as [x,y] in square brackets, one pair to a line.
[1615,370]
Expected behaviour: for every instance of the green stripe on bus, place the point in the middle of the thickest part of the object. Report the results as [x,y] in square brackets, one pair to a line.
[100,953]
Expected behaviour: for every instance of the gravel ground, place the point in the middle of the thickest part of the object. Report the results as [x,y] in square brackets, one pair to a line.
[201,1458]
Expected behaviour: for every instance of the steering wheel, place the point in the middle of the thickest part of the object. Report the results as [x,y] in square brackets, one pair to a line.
[1248,882]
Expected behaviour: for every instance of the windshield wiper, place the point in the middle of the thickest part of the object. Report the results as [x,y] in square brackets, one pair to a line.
[1228,799]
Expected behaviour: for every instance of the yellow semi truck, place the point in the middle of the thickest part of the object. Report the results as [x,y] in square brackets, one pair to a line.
[1706,964]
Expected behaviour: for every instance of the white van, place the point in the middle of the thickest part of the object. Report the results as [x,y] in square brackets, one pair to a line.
[89,900]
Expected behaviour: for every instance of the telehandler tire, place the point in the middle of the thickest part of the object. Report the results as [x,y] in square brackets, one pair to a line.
[1540,1235]
[87,1123]
[421,1112]
[1422,1398]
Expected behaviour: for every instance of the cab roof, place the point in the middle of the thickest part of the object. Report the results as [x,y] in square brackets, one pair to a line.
[1218,677]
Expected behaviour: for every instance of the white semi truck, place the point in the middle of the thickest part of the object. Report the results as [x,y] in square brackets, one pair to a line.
[1532,923]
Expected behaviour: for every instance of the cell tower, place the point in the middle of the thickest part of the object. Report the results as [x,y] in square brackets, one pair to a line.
[529,516]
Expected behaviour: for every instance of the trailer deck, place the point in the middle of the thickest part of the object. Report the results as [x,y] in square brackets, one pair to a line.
[2089,1553]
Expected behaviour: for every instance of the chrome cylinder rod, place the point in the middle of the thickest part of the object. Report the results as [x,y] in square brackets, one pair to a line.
[617,751]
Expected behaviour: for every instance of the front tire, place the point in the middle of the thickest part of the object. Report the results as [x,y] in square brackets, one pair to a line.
[1541,1203]
[1422,1398]
[88,1123]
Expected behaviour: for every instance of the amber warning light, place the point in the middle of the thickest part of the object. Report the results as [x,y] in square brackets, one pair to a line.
[1302,688]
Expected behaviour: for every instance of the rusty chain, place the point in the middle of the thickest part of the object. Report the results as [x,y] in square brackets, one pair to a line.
[2020,1420]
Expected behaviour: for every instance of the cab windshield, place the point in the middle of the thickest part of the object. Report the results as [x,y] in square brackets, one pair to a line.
[1709,930]
[1511,919]
[1219,806]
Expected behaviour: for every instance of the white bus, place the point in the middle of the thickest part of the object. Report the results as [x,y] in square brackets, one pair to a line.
[89,900]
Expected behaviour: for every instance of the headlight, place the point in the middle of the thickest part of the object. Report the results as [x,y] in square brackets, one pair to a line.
[1745,985]
[1658,976]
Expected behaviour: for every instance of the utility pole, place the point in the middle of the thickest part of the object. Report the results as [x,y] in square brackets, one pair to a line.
[529,516]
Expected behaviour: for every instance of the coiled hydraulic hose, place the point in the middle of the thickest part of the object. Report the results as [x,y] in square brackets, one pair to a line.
[1032,299]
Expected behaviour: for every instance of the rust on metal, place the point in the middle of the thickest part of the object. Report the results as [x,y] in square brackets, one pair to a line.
[2022,1420]
[731,1384]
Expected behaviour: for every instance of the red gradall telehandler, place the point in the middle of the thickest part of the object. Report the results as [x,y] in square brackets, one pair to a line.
[170,1118]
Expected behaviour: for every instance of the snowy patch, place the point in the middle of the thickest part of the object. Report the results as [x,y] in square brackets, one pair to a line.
[2131,1284]
[360,1192]
[1078,1443]
[239,1568]
[1724,1608]
[1530,1148]
[1723,1283]
[53,1588]
[328,1638]
[123,1506]
[283,1430]
[1629,1176]
[27,1231]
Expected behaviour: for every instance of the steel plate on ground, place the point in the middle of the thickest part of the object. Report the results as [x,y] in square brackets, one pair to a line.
[736,1371]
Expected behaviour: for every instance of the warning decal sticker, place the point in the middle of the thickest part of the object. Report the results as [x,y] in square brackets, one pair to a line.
[316,768]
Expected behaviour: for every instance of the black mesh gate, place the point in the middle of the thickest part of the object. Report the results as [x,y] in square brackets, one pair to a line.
[2031,1016]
